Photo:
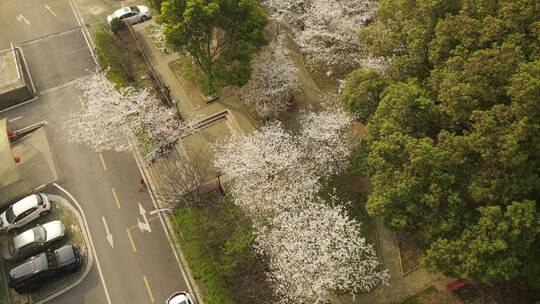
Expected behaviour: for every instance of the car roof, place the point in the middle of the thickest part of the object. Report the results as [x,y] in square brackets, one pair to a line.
[179,298]
[119,12]
[25,204]
[35,264]
[25,238]
[65,255]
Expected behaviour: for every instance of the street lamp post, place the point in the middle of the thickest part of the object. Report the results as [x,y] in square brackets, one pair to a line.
[160,210]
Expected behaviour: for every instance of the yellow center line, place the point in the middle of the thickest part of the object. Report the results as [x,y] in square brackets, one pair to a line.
[148,288]
[131,241]
[116,199]
[82,102]
[102,161]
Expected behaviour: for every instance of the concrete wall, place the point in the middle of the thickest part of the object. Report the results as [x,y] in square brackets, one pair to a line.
[15,96]
[18,91]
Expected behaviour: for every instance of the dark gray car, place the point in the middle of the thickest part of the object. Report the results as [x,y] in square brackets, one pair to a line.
[34,272]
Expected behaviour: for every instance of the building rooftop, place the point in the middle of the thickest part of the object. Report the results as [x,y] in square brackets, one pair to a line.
[11,76]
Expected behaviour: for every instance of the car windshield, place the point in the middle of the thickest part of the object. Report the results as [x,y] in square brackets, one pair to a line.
[10,216]
[40,234]
[135,9]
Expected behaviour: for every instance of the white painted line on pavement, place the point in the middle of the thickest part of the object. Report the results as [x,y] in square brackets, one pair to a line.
[116,199]
[22,18]
[14,119]
[148,289]
[50,10]
[102,161]
[108,233]
[143,226]
[91,241]
[139,227]
[131,241]
[84,32]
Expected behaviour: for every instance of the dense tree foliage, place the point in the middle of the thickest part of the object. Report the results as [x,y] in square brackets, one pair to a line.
[455,138]
[363,92]
[221,35]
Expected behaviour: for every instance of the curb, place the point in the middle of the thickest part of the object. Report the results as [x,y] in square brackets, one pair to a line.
[90,257]
[168,227]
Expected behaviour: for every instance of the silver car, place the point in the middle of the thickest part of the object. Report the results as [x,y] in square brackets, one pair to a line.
[24,211]
[33,240]
[131,14]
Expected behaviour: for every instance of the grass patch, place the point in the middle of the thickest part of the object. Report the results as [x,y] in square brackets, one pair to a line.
[186,69]
[114,59]
[217,242]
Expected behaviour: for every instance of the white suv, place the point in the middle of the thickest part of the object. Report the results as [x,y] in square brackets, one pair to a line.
[24,211]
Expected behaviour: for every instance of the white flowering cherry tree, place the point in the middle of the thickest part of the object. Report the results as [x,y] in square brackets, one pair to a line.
[313,248]
[316,249]
[109,117]
[325,29]
[274,79]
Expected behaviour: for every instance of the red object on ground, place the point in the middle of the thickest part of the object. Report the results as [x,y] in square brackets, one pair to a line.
[291,103]
[455,285]
[17,159]
[141,182]
[10,133]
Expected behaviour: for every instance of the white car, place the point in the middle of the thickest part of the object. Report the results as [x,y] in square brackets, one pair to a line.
[33,240]
[131,14]
[24,211]
[180,297]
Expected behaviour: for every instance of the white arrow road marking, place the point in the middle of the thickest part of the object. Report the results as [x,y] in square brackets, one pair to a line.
[143,226]
[109,235]
[50,10]
[22,18]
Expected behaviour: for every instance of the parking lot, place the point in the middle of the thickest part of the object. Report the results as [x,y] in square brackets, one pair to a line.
[61,211]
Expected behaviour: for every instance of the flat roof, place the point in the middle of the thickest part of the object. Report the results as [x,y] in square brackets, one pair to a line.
[10,70]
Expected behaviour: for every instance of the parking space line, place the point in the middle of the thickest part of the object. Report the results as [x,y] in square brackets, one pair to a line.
[14,119]
[102,162]
[131,241]
[116,199]
[148,289]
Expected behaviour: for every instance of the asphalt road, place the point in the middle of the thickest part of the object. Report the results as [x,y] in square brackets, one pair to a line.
[139,265]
